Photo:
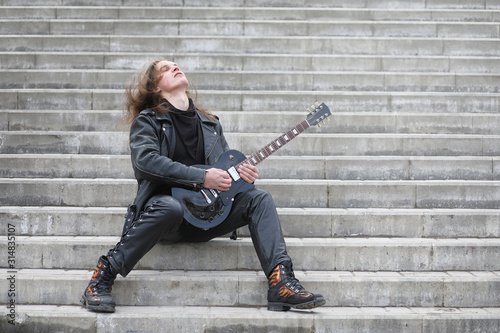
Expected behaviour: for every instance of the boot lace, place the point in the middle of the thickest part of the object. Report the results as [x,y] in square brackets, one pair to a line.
[292,280]
[105,281]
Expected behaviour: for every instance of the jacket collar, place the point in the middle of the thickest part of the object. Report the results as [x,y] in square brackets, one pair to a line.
[165,116]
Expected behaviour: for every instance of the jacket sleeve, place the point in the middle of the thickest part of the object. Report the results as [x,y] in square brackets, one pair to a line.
[148,162]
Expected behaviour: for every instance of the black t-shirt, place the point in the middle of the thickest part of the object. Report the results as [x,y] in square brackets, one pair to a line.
[189,147]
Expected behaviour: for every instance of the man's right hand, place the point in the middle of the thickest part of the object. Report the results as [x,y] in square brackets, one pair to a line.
[217,179]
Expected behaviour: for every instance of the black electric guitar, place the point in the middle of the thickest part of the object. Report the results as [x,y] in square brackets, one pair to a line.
[207,208]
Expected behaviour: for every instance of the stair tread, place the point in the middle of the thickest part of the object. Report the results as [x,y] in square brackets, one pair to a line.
[288,210]
[126,157]
[137,313]
[269,181]
[306,93]
[303,275]
[291,241]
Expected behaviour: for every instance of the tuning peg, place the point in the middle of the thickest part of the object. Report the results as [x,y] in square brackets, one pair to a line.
[319,125]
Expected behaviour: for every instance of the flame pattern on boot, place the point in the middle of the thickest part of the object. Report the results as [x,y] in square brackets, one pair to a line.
[285,291]
[97,295]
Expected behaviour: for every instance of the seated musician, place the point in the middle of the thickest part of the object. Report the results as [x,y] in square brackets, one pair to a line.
[169,136]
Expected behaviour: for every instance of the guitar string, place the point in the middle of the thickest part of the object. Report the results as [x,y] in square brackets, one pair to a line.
[265,152]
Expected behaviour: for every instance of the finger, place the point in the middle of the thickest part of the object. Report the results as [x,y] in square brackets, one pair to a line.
[248,178]
[244,170]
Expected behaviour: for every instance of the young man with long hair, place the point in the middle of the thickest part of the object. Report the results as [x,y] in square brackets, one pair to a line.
[169,136]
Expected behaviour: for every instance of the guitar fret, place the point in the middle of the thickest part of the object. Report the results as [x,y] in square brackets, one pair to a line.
[277,143]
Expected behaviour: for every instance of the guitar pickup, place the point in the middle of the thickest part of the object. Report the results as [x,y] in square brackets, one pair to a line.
[234,174]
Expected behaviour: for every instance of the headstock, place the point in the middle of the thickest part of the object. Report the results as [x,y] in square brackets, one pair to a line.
[318,113]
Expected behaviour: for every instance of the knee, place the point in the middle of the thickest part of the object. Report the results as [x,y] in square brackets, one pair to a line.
[263,196]
[165,208]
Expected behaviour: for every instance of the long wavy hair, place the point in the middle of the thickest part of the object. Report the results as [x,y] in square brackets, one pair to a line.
[140,94]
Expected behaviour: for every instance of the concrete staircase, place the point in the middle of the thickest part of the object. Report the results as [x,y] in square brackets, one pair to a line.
[391,210]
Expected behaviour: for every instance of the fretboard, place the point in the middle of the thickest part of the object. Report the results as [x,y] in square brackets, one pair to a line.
[276,144]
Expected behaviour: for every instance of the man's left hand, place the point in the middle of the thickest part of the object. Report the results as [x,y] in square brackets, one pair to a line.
[248,172]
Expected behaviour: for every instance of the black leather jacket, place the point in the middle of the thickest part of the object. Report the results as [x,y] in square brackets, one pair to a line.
[152,144]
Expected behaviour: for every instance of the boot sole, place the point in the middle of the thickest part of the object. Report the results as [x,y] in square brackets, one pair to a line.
[97,308]
[279,306]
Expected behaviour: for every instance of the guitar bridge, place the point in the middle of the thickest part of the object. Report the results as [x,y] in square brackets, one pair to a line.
[205,213]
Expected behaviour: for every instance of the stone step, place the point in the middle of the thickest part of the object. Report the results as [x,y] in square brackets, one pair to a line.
[338,101]
[265,122]
[249,288]
[349,122]
[251,62]
[248,13]
[310,254]
[286,193]
[385,4]
[242,27]
[256,44]
[277,167]
[324,144]
[262,80]
[197,319]
[295,222]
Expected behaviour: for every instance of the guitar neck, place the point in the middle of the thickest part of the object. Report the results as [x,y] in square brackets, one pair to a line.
[276,144]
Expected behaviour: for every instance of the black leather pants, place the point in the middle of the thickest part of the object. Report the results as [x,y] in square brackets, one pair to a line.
[162,219]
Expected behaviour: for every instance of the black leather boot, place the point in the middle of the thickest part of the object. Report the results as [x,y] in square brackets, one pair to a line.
[97,295]
[286,292]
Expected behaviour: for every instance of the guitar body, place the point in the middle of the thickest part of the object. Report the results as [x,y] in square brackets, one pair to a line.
[208,208]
